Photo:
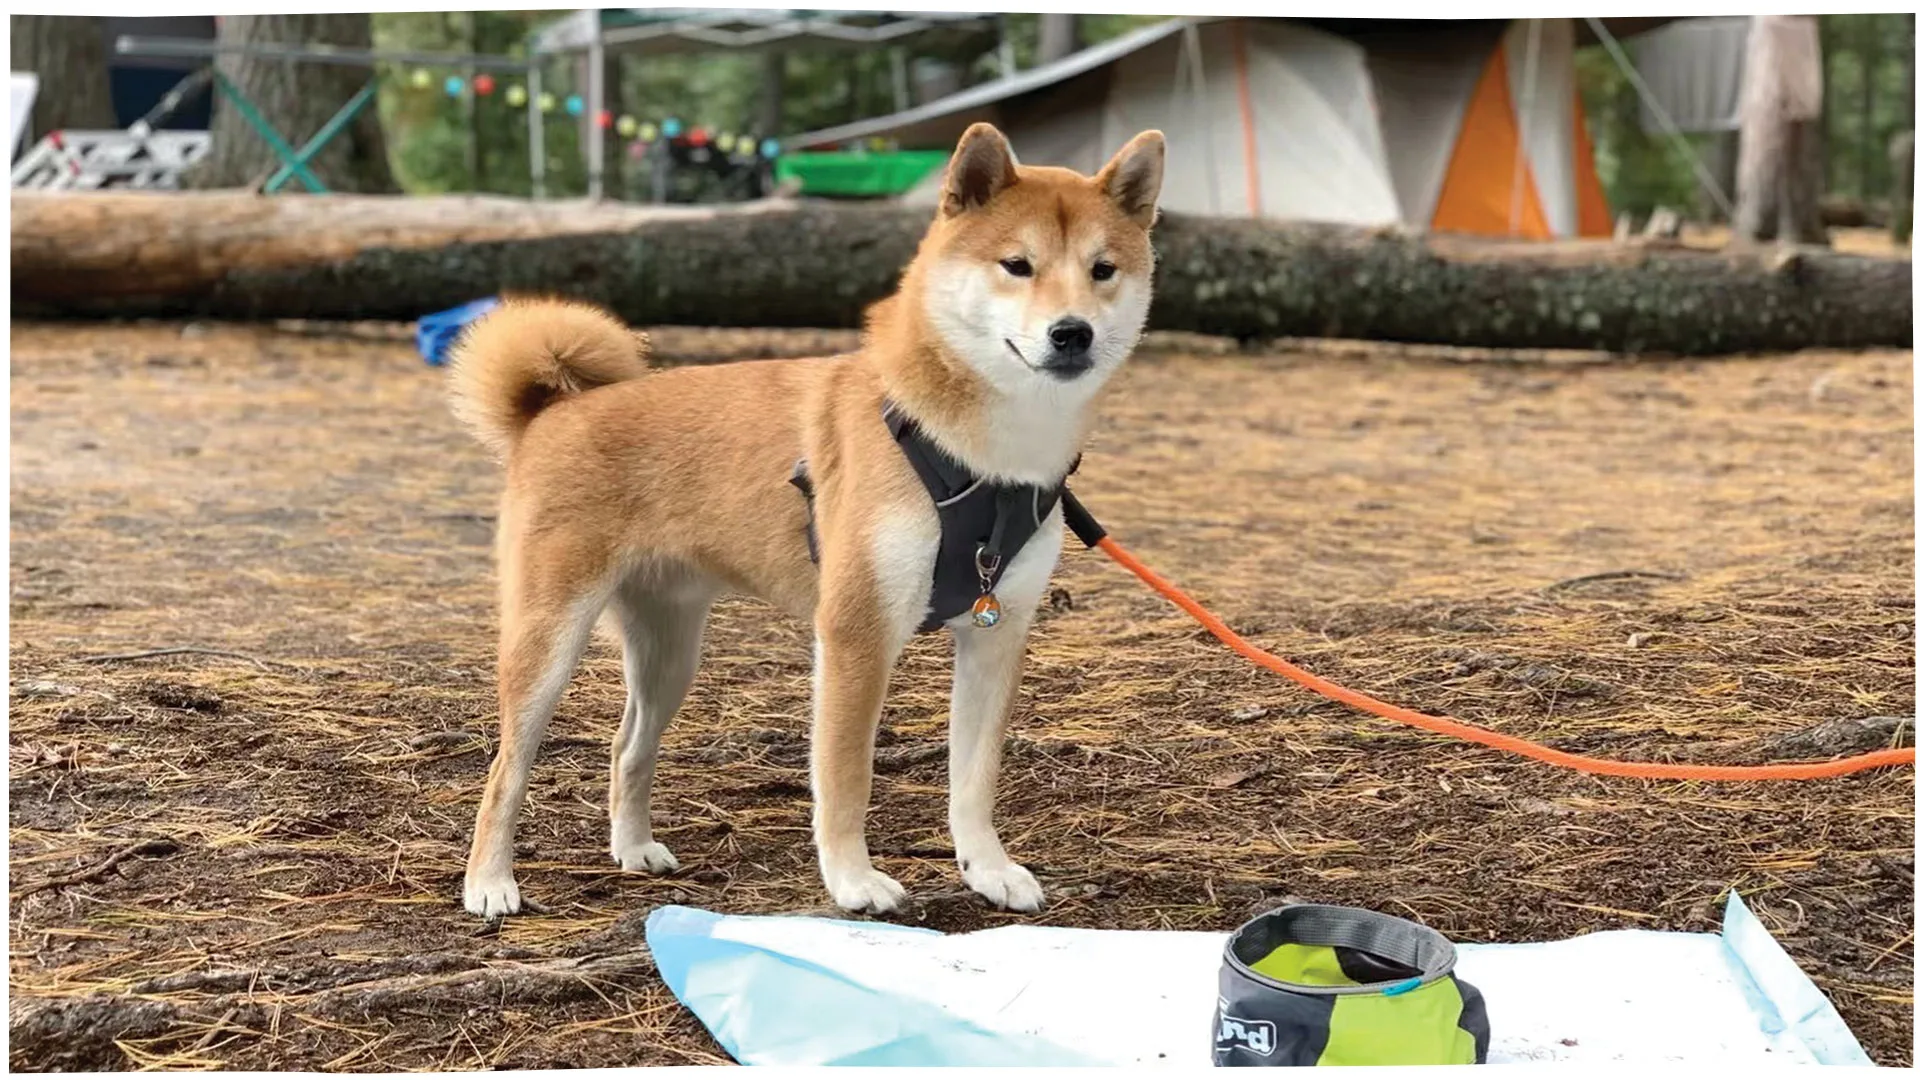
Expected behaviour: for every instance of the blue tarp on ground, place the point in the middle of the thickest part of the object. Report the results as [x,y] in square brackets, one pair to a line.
[435,334]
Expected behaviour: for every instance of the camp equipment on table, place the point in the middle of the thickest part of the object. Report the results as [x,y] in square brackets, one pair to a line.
[1315,984]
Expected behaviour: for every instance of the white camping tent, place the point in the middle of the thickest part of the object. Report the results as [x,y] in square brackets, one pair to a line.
[20,92]
[1470,125]
[1317,113]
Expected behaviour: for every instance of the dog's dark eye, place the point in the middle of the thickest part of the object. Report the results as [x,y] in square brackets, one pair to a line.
[1103,270]
[1017,267]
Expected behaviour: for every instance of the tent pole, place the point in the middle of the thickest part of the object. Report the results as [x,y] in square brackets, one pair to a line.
[1250,145]
[1180,92]
[1528,84]
[1197,99]
[1660,115]
[596,103]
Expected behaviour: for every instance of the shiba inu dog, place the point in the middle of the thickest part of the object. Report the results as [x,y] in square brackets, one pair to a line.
[644,496]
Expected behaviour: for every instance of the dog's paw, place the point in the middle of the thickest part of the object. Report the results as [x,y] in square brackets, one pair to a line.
[492,896]
[1007,885]
[650,857]
[865,889]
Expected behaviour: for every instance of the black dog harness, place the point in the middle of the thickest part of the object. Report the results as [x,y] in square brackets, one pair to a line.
[982,525]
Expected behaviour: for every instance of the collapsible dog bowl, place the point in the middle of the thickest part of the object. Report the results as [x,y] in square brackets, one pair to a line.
[1313,984]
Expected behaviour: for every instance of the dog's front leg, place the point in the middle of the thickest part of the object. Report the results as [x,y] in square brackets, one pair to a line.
[849,682]
[986,671]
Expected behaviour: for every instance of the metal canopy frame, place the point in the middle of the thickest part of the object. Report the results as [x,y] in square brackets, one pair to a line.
[660,31]
[668,31]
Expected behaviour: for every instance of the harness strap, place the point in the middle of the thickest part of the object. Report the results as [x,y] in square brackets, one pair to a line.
[982,525]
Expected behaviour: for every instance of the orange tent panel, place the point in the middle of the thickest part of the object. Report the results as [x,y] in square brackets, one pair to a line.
[1477,195]
[1590,199]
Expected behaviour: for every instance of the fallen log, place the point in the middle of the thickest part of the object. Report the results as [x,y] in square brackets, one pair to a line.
[240,256]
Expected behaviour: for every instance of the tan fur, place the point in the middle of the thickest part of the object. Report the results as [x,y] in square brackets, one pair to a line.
[648,497]
[535,351]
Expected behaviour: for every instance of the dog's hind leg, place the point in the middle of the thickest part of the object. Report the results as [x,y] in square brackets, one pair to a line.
[661,625]
[544,625]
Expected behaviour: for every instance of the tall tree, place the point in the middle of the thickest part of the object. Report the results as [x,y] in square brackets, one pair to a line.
[297,99]
[1781,161]
[1059,36]
[1901,150]
[68,53]
[1870,148]
[773,93]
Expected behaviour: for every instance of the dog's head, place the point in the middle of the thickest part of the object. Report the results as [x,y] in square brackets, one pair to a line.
[1041,276]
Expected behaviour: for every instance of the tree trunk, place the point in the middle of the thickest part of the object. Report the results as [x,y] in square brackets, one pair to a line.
[1781,166]
[1059,37]
[613,80]
[1723,161]
[1902,148]
[1906,71]
[773,94]
[1868,55]
[469,103]
[1901,218]
[243,257]
[297,99]
[68,53]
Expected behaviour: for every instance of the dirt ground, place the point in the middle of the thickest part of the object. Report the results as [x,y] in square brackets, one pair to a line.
[249,858]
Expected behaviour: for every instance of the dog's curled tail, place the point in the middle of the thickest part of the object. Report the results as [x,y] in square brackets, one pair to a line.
[526,354]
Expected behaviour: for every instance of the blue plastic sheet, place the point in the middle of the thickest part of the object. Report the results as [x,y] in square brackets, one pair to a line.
[435,334]
[766,1008]
[792,991]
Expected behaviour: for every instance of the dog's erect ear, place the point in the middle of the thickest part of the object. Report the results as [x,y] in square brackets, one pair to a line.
[982,167]
[1132,178]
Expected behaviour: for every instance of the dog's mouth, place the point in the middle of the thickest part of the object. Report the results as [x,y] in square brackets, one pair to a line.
[1063,369]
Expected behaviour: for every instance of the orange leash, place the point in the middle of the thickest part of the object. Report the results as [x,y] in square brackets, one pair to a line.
[1440,725]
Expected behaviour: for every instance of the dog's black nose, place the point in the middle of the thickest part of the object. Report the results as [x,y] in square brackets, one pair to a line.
[1071,337]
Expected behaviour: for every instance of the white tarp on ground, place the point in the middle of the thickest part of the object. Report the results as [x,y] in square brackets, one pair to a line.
[804,991]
